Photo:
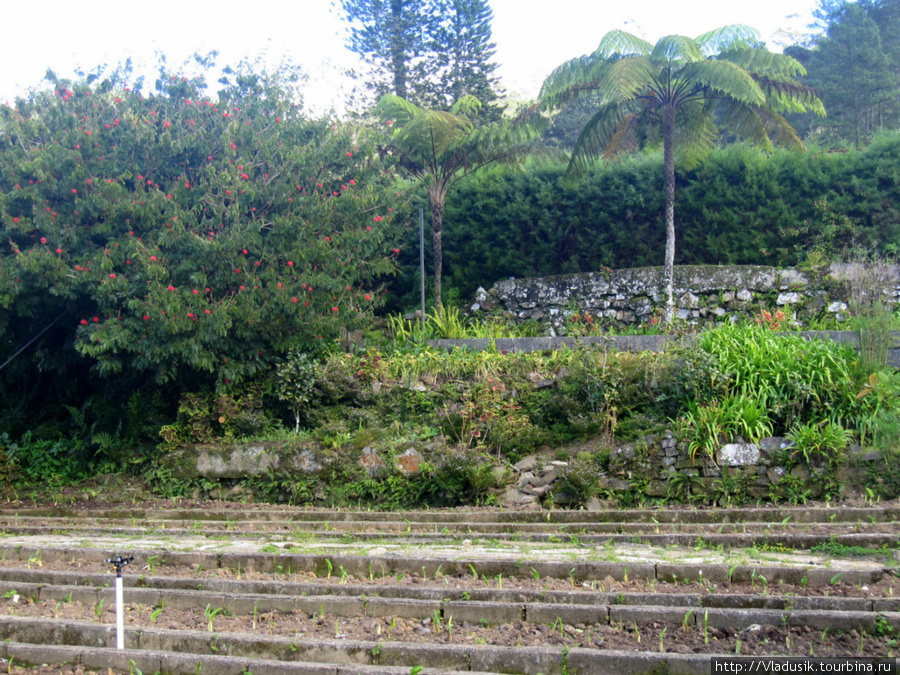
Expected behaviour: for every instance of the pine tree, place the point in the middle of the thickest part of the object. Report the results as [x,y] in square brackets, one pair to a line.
[464,51]
[849,65]
[428,52]
[391,37]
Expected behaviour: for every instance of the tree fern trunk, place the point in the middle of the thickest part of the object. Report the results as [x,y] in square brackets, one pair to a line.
[669,169]
[437,226]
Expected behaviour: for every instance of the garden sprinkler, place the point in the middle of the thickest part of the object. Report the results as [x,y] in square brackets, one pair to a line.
[119,562]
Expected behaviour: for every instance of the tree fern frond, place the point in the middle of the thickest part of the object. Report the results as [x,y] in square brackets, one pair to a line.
[466,105]
[594,140]
[726,79]
[432,133]
[676,49]
[570,79]
[764,63]
[625,79]
[396,109]
[621,43]
[696,136]
[734,36]
[744,121]
[791,97]
[780,131]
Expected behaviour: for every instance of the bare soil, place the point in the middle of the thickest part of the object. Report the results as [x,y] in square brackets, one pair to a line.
[646,636]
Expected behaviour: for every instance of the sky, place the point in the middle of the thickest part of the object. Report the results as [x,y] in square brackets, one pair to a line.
[532,36]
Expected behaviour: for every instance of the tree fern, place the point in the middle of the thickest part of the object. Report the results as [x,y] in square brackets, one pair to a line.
[679,92]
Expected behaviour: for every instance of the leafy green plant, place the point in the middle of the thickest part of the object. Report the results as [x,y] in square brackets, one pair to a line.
[881,392]
[717,422]
[797,380]
[211,614]
[817,441]
[295,378]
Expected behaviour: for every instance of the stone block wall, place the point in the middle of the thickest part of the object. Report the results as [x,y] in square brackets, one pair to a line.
[704,294]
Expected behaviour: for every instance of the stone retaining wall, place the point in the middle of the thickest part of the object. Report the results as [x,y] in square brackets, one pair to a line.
[661,467]
[704,294]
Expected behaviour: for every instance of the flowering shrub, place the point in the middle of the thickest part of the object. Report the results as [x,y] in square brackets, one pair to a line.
[178,235]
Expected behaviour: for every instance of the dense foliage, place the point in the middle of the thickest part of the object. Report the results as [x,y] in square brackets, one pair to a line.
[742,206]
[175,237]
[855,65]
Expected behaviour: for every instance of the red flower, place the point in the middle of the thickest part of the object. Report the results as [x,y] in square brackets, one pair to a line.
[74,191]
[152,258]
[293,299]
[170,287]
[43,240]
[396,250]
[195,291]
[368,297]
[290,263]
[146,318]
[334,309]
[166,124]
[207,311]
[59,250]
[96,320]
[84,322]
[112,276]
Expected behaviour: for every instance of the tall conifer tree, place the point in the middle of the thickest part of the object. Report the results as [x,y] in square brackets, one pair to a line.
[429,52]
[465,51]
[391,37]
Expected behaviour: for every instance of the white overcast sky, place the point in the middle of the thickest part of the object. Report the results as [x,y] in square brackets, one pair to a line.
[532,36]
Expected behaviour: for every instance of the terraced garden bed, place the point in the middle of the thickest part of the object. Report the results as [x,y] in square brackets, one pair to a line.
[230,588]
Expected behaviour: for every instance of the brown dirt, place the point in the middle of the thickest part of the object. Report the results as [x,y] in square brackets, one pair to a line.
[646,636]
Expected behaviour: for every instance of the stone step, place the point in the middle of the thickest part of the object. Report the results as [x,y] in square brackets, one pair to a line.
[52,586]
[370,566]
[39,525]
[171,651]
[771,514]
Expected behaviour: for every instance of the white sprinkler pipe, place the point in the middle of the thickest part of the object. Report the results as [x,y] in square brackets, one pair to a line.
[119,563]
[120,618]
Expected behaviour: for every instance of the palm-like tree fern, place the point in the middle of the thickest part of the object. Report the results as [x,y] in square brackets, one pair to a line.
[441,147]
[678,93]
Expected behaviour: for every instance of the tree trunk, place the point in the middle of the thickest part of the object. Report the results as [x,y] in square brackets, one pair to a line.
[669,170]
[437,197]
